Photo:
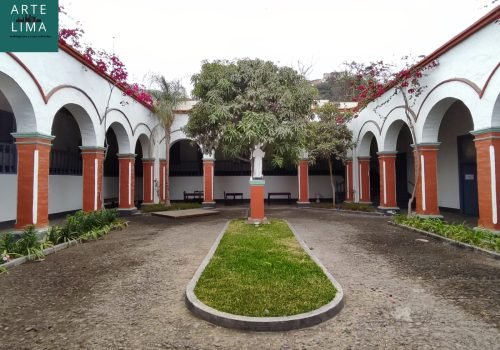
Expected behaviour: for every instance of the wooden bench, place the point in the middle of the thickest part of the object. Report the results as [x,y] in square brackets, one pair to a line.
[232,194]
[196,195]
[278,194]
[111,201]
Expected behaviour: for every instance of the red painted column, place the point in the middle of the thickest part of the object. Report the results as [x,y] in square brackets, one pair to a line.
[303,182]
[33,152]
[148,165]
[257,214]
[93,160]
[364,179]
[208,182]
[427,191]
[126,200]
[488,180]
[349,186]
[387,166]
[163,174]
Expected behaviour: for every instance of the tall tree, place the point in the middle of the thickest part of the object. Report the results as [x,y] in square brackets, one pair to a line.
[248,104]
[330,137]
[167,97]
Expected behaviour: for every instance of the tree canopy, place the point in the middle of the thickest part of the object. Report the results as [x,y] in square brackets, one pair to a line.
[330,137]
[248,103]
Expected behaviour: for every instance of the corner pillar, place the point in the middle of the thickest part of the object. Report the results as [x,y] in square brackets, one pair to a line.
[33,152]
[427,191]
[387,166]
[364,180]
[349,196]
[487,144]
[148,165]
[93,160]
[126,201]
[163,175]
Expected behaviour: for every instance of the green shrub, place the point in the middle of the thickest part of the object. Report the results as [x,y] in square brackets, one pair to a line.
[458,232]
[81,225]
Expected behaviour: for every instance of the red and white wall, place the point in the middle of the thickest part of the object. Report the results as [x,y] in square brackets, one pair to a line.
[35,88]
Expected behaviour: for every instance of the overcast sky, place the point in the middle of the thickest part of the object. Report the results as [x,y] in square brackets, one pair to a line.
[172,38]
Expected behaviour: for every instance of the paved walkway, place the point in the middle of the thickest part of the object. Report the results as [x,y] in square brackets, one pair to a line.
[127,290]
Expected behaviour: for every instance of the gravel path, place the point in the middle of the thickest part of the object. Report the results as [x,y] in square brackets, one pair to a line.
[127,290]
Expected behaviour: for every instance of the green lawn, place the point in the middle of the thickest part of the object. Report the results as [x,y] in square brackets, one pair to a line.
[263,271]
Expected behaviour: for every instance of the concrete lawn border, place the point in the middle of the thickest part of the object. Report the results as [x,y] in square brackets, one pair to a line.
[263,324]
[453,242]
[21,260]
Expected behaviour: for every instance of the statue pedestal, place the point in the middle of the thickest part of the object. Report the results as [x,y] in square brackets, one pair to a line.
[257,215]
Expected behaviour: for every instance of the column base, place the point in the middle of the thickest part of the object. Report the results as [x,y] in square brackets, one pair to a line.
[148,203]
[303,204]
[127,211]
[263,221]
[492,230]
[363,202]
[388,210]
[208,205]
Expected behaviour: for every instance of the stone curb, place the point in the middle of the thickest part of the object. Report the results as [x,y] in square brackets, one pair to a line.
[449,241]
[263,324]
[47,251]
[356,212]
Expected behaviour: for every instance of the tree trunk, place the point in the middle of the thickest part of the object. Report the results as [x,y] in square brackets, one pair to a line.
[332,182]
[416,156]
[167,167]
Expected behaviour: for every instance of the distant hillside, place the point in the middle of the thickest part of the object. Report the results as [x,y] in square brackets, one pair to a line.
[334,87]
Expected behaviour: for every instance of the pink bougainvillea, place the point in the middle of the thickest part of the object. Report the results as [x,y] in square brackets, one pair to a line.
[372,81]
[104,63]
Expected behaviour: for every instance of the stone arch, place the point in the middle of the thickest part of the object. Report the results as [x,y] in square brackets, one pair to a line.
[496,112]
[84,121]
[122,137]
[117,117]
[20,104]
[390,138]
[438,102]
[144,140]
[82,109]
[365,140]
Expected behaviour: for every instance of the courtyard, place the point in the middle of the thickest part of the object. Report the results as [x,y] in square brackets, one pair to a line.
[127,289]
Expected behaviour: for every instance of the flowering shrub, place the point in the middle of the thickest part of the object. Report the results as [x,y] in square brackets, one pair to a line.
[372,81]
[104,62]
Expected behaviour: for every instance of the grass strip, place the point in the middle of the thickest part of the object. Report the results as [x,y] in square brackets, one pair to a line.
[175,206]
[458,232]
[263,271]
[345,206]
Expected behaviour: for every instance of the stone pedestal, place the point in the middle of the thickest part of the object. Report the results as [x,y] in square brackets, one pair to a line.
[257,214]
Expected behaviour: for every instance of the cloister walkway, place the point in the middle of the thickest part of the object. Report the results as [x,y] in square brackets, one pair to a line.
[127,290]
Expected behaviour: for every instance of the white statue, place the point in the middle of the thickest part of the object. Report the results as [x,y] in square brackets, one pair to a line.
[257,155]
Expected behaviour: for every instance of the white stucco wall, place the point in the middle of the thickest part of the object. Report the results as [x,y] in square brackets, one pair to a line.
[317,184]
[466,72]
[8,198]
[110,187]
[65,193]
[455,123]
